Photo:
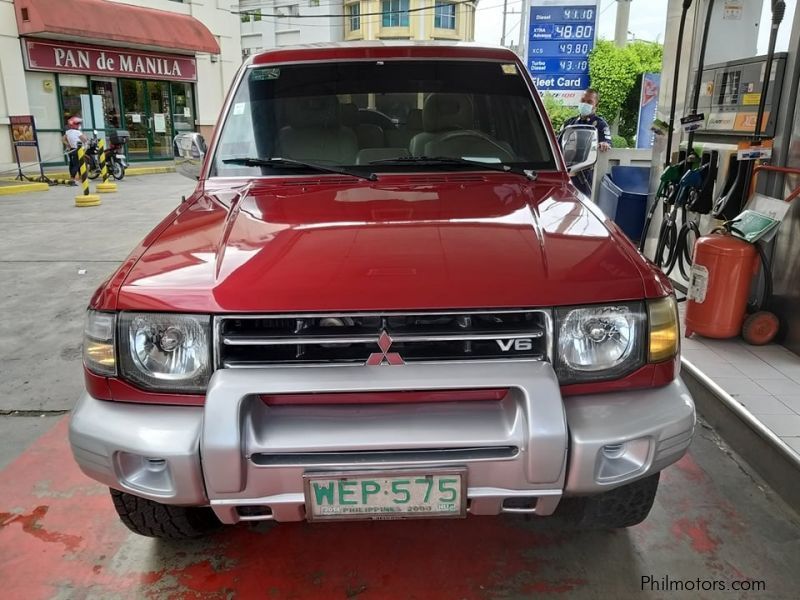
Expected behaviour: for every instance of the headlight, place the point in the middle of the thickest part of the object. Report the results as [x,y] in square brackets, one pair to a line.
[165,352]
[99,355]
[600,342]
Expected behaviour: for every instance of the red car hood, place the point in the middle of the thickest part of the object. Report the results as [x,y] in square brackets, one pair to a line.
[396,244]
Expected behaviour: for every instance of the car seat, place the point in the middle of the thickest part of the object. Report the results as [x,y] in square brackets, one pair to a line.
[442,113]
[314,133]
[402,136]
[369,135]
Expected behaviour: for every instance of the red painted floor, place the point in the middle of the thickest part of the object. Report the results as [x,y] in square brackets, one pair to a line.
[60,538]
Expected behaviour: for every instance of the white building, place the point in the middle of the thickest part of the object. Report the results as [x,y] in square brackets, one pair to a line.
[276,23]
[152,67]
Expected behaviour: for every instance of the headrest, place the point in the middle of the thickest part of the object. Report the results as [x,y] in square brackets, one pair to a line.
[349,114]
[313,111]
[447,111]
[414,121]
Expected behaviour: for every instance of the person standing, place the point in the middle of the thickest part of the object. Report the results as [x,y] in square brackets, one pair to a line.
[587,115]
[73,137]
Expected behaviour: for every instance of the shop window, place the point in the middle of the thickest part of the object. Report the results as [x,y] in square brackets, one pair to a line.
[395,13]
[354,16]
[109,117]
[183,107]
[74,91]
[444,16]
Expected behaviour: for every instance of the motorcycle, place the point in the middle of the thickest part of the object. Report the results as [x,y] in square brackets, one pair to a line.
[116,162]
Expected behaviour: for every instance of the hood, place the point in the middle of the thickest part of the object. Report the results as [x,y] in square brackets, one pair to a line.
[443,242]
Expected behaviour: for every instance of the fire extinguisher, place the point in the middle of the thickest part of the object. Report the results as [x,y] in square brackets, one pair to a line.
[719,286]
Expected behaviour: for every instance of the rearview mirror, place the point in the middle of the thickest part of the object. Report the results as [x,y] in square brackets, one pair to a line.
[579,145]
[190,152]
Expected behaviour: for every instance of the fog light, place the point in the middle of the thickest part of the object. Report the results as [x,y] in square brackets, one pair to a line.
[621,461]
[254,513]
[155,465]
[145,473]
[613,450]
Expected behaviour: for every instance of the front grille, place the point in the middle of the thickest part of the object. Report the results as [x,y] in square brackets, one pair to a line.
[346,338]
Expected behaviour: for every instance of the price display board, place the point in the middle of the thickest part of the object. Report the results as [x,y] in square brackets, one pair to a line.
[561,34]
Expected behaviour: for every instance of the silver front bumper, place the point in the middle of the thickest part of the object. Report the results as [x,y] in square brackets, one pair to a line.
[532,444]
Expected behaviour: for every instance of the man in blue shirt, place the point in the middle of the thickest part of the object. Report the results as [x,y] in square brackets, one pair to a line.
[587,116]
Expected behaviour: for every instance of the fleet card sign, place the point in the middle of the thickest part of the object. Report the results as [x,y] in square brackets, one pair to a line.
[561,35]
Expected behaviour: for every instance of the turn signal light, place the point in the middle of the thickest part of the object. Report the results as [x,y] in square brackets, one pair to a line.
[99,354]
[664,329]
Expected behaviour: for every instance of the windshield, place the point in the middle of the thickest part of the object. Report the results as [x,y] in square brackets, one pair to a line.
[366,114]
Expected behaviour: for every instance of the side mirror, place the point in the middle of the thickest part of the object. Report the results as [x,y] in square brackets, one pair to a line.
[190,152]
[579,145]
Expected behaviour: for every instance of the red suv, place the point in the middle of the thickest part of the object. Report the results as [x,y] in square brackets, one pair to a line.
[384,300]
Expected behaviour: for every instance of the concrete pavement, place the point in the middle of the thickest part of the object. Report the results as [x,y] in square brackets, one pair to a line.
[52,257]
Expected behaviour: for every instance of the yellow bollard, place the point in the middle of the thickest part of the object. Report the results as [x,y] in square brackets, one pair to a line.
[85,199]
[104,187]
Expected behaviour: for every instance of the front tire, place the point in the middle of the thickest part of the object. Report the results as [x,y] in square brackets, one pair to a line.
[153,519]
[621,507]
[117,170]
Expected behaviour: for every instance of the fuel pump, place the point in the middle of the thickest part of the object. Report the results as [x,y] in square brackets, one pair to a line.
[724,265]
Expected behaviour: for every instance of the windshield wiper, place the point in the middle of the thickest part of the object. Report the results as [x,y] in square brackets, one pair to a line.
[454,160]
[289,162]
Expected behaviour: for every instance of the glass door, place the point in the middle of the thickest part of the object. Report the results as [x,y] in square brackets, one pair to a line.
[160,119]
[182,107]
[137,118]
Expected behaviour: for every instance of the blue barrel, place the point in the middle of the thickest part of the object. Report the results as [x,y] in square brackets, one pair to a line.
[623,198]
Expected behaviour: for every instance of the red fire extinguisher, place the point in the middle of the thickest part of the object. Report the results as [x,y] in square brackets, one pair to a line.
[719,286]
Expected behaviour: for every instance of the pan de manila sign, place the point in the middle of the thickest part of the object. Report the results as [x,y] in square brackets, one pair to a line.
[62,57]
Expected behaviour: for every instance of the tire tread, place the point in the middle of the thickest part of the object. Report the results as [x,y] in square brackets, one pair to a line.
[153,519]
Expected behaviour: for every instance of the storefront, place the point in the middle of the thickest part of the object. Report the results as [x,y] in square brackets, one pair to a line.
[151,95]
[153,72]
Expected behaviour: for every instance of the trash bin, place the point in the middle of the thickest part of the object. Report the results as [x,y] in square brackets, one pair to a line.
[623,198]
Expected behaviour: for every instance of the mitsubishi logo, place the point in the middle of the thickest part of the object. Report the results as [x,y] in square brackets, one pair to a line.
[384,357]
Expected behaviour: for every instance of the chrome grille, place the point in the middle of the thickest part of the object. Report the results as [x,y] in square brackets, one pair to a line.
[360,338]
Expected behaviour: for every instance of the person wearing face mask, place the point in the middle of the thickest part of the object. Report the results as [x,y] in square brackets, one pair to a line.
[74,137]
[587,116]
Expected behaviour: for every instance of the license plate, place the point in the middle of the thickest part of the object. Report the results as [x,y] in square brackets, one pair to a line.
[347,495]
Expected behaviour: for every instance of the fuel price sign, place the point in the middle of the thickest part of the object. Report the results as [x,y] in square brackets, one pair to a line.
[561,35]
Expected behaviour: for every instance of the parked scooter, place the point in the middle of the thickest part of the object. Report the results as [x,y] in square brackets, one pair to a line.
[116,162]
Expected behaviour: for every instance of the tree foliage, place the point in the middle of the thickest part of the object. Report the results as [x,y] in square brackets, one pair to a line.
[557,111]
[616,73]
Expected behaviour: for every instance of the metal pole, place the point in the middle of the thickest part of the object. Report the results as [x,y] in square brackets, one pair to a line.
[522,50]
[699,76]
[687,4]
[105,186]
[101,153]
[623,20]
[85,199]
[82,169]
[505,10]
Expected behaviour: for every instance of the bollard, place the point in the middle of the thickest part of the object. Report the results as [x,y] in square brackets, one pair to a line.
[104,187]
[85,199]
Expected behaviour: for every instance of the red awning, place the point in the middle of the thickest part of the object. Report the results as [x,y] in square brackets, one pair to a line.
[112,23]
